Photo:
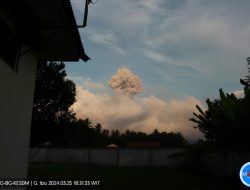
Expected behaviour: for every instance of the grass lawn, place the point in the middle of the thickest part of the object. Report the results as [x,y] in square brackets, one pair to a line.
[114,178]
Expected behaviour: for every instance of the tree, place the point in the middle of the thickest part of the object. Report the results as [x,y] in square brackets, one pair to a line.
[54,94]
[98,128]
[80,134]
[168,139]
[246,81]
[219,122]
[226,122]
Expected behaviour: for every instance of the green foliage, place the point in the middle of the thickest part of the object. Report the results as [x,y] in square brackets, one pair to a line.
[82,135]
[54,94]
[246,81]
[226,122]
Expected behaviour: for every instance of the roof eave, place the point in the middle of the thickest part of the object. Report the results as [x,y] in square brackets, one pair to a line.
[68,9]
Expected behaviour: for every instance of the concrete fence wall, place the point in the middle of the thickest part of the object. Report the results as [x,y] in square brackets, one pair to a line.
[223,164]
[110,157]
[220,164]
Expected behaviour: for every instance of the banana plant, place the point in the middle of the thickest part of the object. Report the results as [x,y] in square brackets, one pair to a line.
[223,118]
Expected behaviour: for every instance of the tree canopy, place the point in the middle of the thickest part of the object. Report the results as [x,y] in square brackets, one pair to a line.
[54,94]
[226,122]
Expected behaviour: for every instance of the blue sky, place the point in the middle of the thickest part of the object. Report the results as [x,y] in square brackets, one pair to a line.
[178,48]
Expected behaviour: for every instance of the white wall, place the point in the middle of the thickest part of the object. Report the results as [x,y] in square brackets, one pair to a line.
[16,99]
[122,157]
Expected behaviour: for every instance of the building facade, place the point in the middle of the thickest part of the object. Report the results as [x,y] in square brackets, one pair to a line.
[30,32]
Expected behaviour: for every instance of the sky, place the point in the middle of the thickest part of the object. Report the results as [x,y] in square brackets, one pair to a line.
[152,61]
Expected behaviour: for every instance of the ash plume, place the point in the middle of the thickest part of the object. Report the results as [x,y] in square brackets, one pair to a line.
[125,82]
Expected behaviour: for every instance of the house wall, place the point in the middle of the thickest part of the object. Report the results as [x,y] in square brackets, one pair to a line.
[17,90]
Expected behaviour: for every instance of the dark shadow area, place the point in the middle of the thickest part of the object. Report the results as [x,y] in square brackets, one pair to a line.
[129,178]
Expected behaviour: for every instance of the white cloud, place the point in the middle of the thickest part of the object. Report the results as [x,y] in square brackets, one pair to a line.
[212,37]
[155,56]
[239,93]
[121,15]
[93,85]
[139,113]
[108,39]
[87,83]
[204,24]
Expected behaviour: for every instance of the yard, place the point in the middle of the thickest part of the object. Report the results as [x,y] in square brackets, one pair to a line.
[126,178]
